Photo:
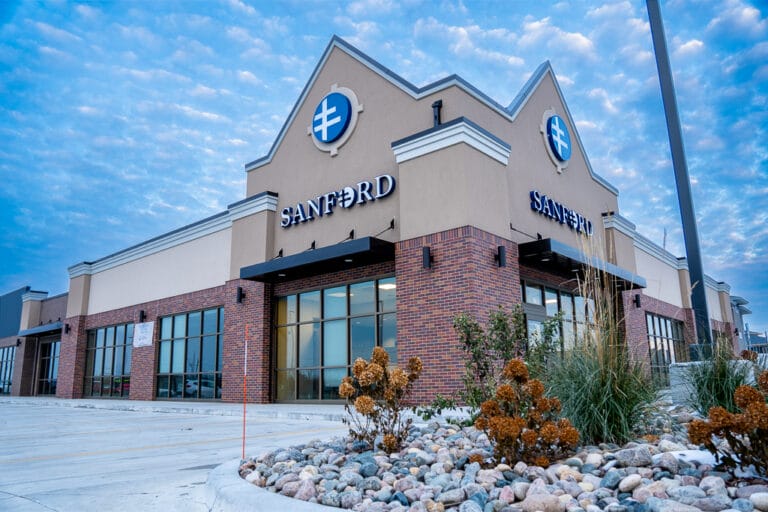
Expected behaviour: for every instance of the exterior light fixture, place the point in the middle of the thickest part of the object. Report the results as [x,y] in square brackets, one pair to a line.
[501,256]
[240,294]
[636,300]
[436,107]
[142,316]
[66,329]
[18,342]
[427,260]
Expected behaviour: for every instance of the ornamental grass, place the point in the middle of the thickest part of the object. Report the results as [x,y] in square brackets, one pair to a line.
[374,397]
[745,432]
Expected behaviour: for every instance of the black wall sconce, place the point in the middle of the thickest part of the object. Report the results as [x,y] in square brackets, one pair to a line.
[142,316]
[240,294]
[18,342]
[427,260]
[436,108]
[636,300]
[501,256]
[66,328]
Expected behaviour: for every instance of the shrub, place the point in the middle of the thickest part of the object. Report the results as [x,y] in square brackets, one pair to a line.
[503,339]
[603,391]
[376,392]
[522,423]
[713,381]
[746,432]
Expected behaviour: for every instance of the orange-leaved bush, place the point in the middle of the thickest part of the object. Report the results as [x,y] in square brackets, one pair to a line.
[522,423]
[746,432]
[374,399]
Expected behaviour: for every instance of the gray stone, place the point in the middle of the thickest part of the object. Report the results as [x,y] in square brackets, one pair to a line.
[741,492]
[470,473]
[400,498]
[742,505]
[611,479]
[520,490]
[306,490]
[290,488]
[712,485]
[542,503]
[370,484]
[331,499]
[713,503]
[760,501]
[384,495]
[285,479]
[369,469]
[629,483]
[686,494]
[470,506]
[349,499]
[452,497]
[639,456]
[668,462]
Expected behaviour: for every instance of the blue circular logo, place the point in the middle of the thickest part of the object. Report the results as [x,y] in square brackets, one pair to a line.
[331,117]
[559,138]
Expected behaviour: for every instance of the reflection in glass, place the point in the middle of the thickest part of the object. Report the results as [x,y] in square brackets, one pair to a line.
[533,294]
[335,343]
[309,306]
[194,324]
[177,363]
[286,384]
[165,357]
[388,335]
[335,302]
[331,381]
[363,333]
[193,355]
[210,319]
[309,345]
[309,384]
[362,298]
[208,363]
[387,289]
[286,347]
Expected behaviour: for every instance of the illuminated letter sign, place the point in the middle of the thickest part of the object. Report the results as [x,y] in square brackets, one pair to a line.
[560,213]
[346,198]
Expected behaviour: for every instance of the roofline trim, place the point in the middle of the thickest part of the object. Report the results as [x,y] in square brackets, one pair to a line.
[448,134]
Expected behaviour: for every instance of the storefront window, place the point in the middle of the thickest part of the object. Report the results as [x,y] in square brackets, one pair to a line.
[108,361]
[542,303]
[48,366]
[189,360]
[665,345]
[320,333]
[7,355]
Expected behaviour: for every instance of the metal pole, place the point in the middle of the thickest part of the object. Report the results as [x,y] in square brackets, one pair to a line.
[690,231]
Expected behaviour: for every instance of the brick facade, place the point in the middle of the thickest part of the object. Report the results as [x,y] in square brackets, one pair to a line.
[464,278]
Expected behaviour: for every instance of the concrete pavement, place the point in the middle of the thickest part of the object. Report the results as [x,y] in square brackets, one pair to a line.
[103,455]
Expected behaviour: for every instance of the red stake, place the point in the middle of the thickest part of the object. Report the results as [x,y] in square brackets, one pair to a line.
[245,375]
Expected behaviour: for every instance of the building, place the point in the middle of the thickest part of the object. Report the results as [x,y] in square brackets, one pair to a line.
[381,211]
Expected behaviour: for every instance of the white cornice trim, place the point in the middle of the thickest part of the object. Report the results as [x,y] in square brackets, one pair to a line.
[32,295]
[620,224]
[205,227]
[718,286]
[452,135]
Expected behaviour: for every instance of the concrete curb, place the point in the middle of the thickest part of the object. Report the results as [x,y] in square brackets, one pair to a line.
[225,491]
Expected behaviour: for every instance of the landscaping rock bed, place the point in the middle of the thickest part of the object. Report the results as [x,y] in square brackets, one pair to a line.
[446,468]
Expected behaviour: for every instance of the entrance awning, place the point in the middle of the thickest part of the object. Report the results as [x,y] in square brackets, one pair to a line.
[41,329]
[343,256]
[548,254]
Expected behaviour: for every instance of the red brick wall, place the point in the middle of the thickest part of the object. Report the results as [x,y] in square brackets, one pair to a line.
[463,278]
[143,359]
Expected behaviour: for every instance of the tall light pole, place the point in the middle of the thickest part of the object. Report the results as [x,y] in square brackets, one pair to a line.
[690,231]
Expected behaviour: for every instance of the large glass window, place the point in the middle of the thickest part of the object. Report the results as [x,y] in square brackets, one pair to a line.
[666,345]
[108,361]
[190,358]
[320,333]
[6,369]
[48,366]
[542,303]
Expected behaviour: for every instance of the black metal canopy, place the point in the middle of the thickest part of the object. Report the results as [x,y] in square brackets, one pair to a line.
[548,254]
[342,256]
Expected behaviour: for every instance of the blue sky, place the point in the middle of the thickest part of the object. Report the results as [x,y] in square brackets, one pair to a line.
[120,121]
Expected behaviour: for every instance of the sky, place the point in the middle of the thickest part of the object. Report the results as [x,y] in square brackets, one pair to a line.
[120,121]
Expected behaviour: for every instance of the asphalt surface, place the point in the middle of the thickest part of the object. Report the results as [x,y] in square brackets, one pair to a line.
[108,455]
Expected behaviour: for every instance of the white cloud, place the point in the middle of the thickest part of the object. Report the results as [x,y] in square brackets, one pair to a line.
[472,40]
[87,11]
[612,10]
[248,77]
[88,110]
[536,32]
[370,7]
[56,34]
[240,6]
[740,19]
[601,94]
[689,48]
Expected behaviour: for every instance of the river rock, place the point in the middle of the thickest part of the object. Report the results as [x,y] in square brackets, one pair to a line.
[542,503]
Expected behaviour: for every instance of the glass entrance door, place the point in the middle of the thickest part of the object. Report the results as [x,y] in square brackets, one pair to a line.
[48,367]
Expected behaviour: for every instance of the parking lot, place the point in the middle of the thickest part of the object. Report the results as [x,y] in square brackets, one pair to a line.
[103,455]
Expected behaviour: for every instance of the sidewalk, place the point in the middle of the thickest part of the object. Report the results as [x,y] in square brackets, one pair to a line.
[330,412]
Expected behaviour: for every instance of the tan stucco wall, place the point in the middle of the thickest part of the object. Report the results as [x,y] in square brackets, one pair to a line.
[30,314]
[494,196]
[79,292]
[252,241]
[684,278]
[662,279]
[195,265]
[713,304]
